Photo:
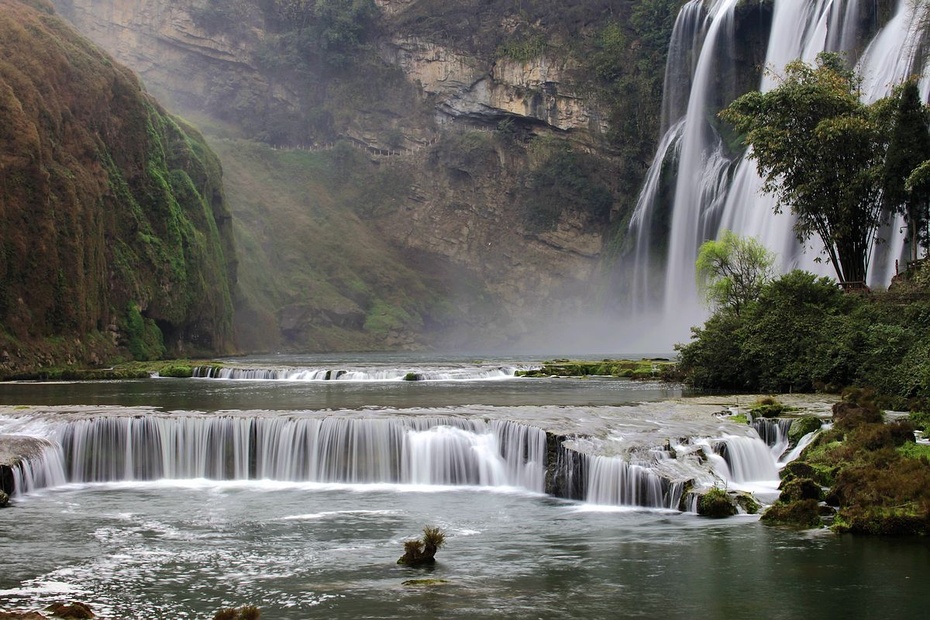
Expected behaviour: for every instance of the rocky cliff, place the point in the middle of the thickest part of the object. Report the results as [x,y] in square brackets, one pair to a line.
[481,139]
[112,219]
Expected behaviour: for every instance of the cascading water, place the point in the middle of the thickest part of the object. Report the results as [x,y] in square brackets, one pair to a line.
[713,191]
[362,450]
[332,449]
[474,373]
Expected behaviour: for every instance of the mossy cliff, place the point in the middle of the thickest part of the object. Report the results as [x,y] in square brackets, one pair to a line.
[114,234]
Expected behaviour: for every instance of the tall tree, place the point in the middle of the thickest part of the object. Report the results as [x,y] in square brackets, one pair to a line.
[819,150]
[731,271]
[908,148]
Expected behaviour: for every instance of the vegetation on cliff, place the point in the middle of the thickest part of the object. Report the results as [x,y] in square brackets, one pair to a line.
[339,60]
[114,231]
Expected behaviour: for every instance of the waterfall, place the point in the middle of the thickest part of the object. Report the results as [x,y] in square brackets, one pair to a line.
[412,450]
[774,432]
[240,373]
[435,451]
[713,189]
[615,482]
[745,459]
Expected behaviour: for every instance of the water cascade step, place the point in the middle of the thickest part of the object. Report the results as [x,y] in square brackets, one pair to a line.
[414,450]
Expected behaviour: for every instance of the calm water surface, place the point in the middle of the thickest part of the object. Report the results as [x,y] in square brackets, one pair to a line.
[183,549]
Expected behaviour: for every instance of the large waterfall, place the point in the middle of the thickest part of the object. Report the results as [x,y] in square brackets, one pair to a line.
[715,190]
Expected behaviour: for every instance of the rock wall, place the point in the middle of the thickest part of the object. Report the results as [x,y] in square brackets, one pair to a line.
[422,94]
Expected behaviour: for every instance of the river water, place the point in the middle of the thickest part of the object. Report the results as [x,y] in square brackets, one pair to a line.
[170,548]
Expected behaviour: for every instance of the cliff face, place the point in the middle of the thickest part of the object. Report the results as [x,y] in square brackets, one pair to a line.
[489,152]
[112,219]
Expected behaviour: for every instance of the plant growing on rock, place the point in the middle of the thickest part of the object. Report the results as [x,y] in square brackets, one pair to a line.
[248,612]
[716,503]
[422,551]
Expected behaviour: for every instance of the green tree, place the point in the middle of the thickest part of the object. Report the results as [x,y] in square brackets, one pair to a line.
[819,150]
[908,148]
[731,271]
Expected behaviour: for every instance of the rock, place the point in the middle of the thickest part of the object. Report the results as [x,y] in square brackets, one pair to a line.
[73,610]
[801,427]
[804,513]
[4,499]
[800,489]
[717,504]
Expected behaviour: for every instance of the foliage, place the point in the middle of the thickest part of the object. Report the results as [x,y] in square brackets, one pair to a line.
[878,485]
[908,149]
[248,612]
[319,34]
[422,551]
[819,150]
[106,201]
[731,271]
[565,180]
[786,340]
[145,340]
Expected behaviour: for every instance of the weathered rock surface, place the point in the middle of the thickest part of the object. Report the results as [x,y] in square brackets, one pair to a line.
[469,219]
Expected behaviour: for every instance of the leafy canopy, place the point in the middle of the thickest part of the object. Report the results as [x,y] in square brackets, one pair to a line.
[819,150]
[905,190]
[731,271]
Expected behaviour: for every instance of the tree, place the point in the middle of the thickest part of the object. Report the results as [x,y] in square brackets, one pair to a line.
[731,271]
[819,150]
[908,148]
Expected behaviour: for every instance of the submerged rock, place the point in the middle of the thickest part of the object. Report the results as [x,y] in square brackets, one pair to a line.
[73,610]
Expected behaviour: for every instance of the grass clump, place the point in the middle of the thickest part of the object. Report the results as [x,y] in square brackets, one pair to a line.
[248,612]
[422,551]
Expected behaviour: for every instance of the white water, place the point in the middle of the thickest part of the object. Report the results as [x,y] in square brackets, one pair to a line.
[714,193]
[246,373]
[404,450]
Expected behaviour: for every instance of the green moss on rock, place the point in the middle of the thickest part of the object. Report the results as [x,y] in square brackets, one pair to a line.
[803,513]
[716,503]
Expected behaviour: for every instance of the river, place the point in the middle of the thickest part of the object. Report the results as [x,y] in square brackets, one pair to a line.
[159,547]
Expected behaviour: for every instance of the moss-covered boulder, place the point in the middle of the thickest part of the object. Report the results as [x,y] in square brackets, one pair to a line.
[803,513]
[716,503]
[801,427]
[72,611]
[798,489]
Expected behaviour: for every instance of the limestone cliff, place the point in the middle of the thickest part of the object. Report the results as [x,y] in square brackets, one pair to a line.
[486,164]
[112,220]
